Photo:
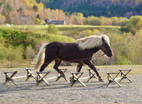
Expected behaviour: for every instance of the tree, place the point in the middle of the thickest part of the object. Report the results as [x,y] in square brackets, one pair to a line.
[20,9]
[136,21]
[38,16]
[115,21]
[91,20]
[2,19]
[134,24]
[9,7]
[35,8]
[37,19]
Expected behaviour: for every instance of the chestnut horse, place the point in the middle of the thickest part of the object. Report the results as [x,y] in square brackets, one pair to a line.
[80,52]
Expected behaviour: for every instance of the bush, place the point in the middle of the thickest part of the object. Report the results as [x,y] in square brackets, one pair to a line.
[93,32]
[133,25]
[122,60]
[11,36]
[14,55]
[30,53]
[37,21]
[91,20]
[126,48]
[52,29]
[2,53]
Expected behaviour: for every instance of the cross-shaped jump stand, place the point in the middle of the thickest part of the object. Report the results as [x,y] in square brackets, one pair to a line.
[9,77]
[30,74]
[41,77]
[123,75]
[60,76]
[91,75]
[113,78]
[76,78]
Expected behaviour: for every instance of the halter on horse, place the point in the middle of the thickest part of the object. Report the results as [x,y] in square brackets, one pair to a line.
[80,52]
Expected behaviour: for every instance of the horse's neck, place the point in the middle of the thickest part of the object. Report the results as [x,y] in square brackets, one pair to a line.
[91,51]
[94,50]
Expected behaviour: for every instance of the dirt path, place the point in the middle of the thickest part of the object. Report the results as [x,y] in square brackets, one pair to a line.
[60,92]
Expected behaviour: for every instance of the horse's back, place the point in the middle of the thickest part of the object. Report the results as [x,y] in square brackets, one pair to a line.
[62,45]
[68,51]
[63,51]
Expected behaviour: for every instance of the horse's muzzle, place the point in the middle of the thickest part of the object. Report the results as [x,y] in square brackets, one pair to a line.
[109,55]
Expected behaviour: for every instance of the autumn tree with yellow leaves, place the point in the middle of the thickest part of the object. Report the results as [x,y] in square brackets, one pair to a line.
[26,11]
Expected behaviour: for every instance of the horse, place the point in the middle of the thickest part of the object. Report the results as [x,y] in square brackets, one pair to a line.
[79,52]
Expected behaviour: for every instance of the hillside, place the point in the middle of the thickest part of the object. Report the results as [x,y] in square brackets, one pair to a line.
[98,3]
[26,12]
[107,8]
[34,11]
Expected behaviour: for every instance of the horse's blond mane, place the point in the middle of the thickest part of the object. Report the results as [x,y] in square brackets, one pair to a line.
[92,41]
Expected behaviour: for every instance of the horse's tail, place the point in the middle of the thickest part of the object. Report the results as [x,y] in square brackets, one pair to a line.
[40,57]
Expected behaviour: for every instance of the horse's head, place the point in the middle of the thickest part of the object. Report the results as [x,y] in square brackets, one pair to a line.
[105,47]
[102,42]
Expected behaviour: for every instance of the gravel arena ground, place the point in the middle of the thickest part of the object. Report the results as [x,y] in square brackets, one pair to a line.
[62,93]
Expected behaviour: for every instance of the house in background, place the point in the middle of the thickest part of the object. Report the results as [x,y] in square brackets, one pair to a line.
[56,22]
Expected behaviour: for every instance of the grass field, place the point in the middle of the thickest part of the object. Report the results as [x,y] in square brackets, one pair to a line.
[43,28]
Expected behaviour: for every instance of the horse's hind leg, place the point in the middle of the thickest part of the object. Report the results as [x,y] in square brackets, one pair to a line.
[50,53]
[44,65]
[46,62]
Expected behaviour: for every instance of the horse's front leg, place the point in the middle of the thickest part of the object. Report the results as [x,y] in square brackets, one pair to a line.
[94,69]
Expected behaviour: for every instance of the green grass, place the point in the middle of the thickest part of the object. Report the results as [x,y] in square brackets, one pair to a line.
[66,30]
[43,28]
[53,37]
[86,27]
